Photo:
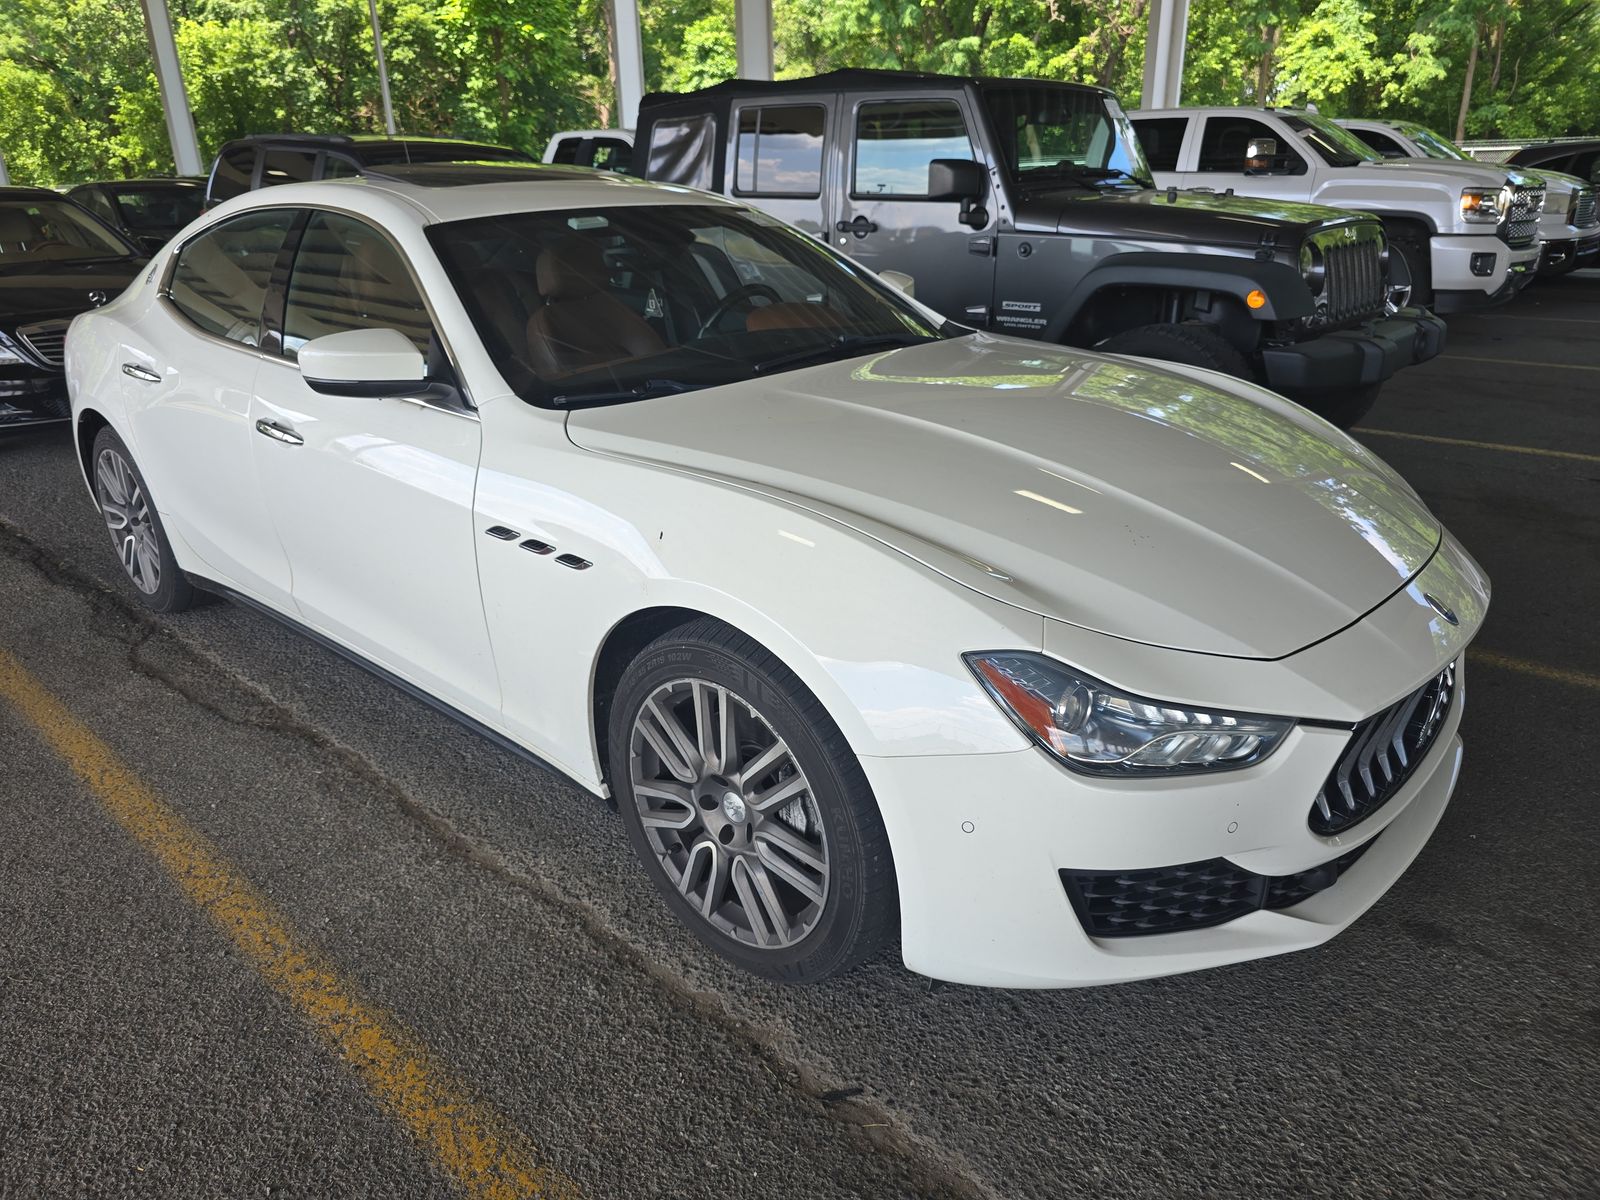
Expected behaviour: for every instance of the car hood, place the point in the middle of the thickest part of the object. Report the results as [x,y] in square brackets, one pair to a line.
[1208,218]
[1174,507]
[61,290]
[1462,174]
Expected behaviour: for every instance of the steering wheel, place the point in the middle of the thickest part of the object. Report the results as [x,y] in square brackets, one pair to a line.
[739,295]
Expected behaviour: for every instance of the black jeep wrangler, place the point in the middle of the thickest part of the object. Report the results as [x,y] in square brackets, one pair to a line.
[1028,208]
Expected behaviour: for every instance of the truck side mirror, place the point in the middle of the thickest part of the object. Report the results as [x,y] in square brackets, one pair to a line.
[955,179]
[1261,157]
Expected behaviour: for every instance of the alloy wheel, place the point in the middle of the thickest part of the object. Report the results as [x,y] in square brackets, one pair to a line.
[729,814]
[128,518]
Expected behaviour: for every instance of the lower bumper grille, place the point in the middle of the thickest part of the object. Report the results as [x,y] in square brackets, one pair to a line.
[1191,896]
[1382,752]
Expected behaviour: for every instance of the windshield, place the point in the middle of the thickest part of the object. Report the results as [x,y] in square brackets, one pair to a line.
[609,305]
[1336,145]
[393,154]
[1058,134]
[54,231]
[159,209]
[1434,146]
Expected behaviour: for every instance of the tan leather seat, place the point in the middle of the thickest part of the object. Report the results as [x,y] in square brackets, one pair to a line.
[791,315]
[17,228]
[582,326]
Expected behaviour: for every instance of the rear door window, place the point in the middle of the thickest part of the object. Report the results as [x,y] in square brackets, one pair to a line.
[681,150]
[219,279]
[779,150]
[1381,142]
[287,166]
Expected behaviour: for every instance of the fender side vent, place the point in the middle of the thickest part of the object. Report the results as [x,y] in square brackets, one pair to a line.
[573,561]
[535,546]
[501,532]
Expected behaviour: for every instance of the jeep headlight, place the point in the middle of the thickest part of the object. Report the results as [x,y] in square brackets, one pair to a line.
[1484,205]
[1097,729]
[1312,268]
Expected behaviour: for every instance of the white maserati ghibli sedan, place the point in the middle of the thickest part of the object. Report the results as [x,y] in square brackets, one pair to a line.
[1061,668]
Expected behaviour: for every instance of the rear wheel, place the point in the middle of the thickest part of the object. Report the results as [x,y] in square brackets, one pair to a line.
[1192,345]
[748,808]
[1343,409]
[135,528]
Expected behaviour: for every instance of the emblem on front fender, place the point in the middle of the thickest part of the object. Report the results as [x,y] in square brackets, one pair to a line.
[1440,607]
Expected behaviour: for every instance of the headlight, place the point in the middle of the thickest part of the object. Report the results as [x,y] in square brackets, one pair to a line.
[1312,269]
[1094,728]
[1484,204]
[8,353]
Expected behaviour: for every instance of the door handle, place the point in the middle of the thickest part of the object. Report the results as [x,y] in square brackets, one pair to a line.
[135,371]
[860,227]
[279,433]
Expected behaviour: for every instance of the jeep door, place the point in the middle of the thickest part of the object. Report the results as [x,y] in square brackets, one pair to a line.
[1283,169]
[777,160]
[885,219]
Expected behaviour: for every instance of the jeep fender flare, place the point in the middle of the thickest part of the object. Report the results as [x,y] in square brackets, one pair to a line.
[1288,297]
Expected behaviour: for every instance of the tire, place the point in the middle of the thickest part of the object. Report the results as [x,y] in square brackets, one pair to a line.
[714,855]
[135,528]
[1408,254]
[1343,409]
[1192,345]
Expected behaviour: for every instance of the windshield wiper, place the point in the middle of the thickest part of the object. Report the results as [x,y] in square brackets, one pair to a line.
[844,344]
[639,391]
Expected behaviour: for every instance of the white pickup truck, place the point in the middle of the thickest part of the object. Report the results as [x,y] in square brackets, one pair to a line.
[1569,228]
[1465,234]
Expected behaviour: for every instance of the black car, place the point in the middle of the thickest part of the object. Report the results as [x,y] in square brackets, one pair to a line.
[1573,158]
[147,211]
[56,261]
[1028,208]
[262,160]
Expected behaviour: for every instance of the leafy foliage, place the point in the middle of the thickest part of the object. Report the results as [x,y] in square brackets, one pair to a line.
[78,97]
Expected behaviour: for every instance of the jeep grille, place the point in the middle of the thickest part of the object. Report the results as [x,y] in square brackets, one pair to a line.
[1353,283]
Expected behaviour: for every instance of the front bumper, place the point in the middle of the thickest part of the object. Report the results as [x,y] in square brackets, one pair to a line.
[980,840]
[1349,358]
[1457,288]
[31,396]
[1571,253]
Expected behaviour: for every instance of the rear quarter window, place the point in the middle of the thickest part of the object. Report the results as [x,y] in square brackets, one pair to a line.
[681,150]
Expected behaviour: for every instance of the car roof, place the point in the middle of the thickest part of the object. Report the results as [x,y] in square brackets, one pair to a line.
[856,79]
[150,181]
[20,191]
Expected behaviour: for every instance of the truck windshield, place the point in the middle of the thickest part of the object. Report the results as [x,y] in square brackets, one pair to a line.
[1055,135]
[582,307]
[1334,144]
[1434,146]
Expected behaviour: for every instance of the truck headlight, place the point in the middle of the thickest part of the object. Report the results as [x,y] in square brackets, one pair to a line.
[1312,268]
[1484,205]
[1097,729]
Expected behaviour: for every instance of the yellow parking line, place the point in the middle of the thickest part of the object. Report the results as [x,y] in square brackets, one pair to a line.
[1525,667]
[1520,362]
[1448,441]
[488,1158]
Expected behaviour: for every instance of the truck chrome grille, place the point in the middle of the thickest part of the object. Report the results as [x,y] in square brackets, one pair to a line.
[46,341]
[1382,752]
[1587,213]
[1523,225]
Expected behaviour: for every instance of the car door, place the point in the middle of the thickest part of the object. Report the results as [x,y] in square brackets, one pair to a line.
[187,373]
[372,496]
[777,160]
[885,219]
[1284,171]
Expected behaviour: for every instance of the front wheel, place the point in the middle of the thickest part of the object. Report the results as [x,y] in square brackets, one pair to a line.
[1344,408]
[1192,345]
[748,808]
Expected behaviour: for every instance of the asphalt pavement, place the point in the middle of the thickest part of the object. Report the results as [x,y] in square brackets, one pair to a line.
[269,927]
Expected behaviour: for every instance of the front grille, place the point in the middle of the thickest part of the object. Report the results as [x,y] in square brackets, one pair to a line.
[1191,896]
[47,340]
[1587,213]
[1523,226]
[1352,283]
[1382,752]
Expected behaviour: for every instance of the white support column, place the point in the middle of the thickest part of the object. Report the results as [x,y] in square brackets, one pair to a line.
[627,53]
[383,67]
[174,99]
[5,175]
[1163,53]
[752,35]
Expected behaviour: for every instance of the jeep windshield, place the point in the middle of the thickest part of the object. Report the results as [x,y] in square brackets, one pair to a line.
[610,305]
[1063,137]
[1334,144]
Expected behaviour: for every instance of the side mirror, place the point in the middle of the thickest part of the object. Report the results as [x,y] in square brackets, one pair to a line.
[363,362]
[900,282]
[1262,157]
[955,179]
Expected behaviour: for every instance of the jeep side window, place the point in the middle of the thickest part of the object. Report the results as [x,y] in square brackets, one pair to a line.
[681,151]
[895,142]
[779,151]
[1162,139]
[1227,139]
